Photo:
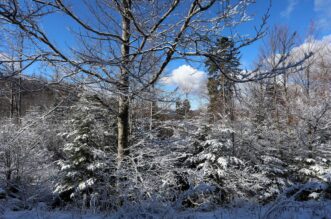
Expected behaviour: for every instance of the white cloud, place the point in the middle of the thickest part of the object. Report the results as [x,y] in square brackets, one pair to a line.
[291,4]
[321,57]
[320,48]
[187,79]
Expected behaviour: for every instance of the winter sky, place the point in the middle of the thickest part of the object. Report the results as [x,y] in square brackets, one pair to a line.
[298,15]
[190,77]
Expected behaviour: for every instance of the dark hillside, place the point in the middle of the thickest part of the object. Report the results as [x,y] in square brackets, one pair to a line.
[32,95]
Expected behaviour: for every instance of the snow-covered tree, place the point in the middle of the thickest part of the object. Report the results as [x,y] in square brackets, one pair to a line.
[86,152]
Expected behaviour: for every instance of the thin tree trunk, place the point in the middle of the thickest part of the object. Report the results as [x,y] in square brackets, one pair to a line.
[223,96]
[123,104]
[275,93]
[12,98]
[151,114]
[310,142]
[308,82]
[19,101]
[152,110]
[19,92]
[8,164]
[232,118]
[131,116]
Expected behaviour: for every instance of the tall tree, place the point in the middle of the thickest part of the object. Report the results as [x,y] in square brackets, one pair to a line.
[220,88]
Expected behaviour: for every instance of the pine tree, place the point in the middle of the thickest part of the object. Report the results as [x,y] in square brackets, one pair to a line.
[220,87]
[183,108]
[85,156]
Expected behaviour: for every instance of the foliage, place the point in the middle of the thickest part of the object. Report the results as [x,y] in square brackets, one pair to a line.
[220,88]
[88,149]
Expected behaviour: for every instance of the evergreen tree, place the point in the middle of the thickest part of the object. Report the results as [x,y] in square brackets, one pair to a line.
[179,108]
[220,87]
[186,107]
[85,155]
[183,108]
[79,155]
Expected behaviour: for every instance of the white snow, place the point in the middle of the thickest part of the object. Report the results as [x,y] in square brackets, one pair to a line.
[314,195]
[223,162]
[86,184]
[281,210]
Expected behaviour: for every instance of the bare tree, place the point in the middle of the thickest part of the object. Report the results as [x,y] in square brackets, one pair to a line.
[116,40]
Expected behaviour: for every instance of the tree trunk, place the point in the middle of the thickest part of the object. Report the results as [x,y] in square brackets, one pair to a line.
[151,114]
[232,118]
[123,104]
[123,127]
[12,99]
[19,92]
[19,101]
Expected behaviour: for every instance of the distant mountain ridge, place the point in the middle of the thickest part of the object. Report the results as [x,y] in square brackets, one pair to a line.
[19,97]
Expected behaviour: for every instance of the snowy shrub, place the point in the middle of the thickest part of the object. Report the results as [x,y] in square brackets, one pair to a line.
[25,163]
[88,156]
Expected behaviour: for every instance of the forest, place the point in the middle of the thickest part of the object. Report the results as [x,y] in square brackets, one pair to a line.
[150,109]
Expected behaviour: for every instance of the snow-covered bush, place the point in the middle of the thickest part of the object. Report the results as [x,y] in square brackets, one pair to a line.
[25,163]
[87,155]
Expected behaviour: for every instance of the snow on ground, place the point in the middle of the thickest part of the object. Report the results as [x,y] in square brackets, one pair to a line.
[284,210]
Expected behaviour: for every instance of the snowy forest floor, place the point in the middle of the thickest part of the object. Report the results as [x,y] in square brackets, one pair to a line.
[279,210]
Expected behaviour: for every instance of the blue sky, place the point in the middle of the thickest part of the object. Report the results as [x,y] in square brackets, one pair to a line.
[298,15]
